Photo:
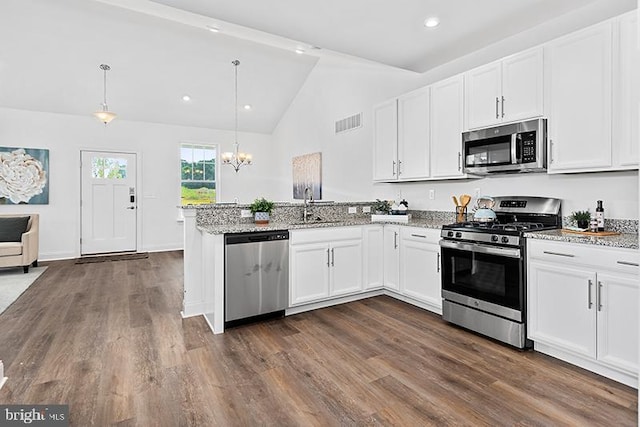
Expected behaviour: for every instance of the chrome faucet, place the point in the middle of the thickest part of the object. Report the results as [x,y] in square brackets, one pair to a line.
[306,214]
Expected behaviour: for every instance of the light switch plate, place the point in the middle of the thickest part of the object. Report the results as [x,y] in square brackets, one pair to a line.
[432,194]
[245,213]
[353,209]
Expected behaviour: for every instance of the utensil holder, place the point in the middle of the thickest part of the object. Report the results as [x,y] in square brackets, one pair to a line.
[461,213]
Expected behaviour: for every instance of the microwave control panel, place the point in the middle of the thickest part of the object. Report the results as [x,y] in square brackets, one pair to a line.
[528,146]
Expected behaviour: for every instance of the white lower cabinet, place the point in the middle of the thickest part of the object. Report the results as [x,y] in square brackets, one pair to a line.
[324,263]
[583,306]
[391,256]
[373,269]
[420,266]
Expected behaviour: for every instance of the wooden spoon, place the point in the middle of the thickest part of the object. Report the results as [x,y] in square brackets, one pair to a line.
[455,200]
[464,200]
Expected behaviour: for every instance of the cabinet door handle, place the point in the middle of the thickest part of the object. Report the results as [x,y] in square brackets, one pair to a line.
[633,264]
[395,240]
[459,161]
[419,235]
[327,257]
[332,258]
[590,301]
[497,106]
[551,151]
[599,296]
[394,168]
[559,254]
[438,262]
[399,167]
[503,106]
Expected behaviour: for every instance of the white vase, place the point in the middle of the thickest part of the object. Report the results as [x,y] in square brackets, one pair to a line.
[261,217]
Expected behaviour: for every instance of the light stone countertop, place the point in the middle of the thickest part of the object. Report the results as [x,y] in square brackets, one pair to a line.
[624,240]
[251,227]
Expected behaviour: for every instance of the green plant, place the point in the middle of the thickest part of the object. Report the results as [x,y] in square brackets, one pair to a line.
[261,205]
[381,206]
[581,216]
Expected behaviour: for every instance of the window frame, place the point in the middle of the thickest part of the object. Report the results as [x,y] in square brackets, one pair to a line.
[203,145]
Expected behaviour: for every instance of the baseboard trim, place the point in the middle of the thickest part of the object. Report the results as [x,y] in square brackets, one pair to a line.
[331,302]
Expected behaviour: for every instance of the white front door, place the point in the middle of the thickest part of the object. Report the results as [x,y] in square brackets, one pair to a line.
[109,201]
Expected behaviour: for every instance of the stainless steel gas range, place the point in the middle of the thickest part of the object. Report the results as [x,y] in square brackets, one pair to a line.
[483,267]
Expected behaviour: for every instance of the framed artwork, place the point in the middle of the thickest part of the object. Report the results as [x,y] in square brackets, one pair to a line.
[24,176]
[307,173]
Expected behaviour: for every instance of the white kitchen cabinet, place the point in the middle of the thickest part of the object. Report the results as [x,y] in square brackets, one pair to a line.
[309,272]
[420,266]
[413,135]
[346,267]
[324,263]
[401,138]
[578,98]
[446,128]
[582,306]
[373,238]
[385,141]
[626,92]
[505,91]
[391,253]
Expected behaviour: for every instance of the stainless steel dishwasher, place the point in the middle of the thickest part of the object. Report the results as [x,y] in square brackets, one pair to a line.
[256,275]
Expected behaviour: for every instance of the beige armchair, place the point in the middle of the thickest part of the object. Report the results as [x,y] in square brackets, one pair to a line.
[25,252]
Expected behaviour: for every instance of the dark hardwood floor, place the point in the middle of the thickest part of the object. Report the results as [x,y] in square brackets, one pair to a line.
[107,339]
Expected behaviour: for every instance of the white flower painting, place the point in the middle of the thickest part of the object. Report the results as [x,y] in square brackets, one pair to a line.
[24,175]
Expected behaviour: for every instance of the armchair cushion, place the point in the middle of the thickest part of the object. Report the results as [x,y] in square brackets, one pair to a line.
[12,228]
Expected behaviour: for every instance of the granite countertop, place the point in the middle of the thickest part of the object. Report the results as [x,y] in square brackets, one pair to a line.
[623,240]
[251,227]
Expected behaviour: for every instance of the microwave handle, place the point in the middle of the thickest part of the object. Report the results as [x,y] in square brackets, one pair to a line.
[514,149]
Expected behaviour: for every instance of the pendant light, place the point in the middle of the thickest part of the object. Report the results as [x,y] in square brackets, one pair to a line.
[104,115]
[236,159]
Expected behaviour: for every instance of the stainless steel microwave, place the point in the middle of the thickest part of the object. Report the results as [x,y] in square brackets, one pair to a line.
[516,147]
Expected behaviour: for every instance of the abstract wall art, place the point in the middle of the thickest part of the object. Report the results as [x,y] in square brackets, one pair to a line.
[307,173]
[24,176]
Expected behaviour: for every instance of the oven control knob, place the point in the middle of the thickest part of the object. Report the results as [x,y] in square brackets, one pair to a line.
[458,234]
[494,238]
[505,239]
[450,234]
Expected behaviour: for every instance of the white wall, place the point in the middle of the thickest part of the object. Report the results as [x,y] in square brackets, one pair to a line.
[339,87]
[158,146]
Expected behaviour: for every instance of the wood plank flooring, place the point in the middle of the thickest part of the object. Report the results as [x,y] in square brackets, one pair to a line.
[107,339]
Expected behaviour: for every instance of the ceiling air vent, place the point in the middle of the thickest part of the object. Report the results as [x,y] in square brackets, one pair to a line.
[349,123]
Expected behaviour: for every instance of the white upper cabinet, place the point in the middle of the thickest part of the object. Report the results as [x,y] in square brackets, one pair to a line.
[413,135]
[401,138]
[505,91]
[447,97]
[578,100]
[385,141]
[626,92]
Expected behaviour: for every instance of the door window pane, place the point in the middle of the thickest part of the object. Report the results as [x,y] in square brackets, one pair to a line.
[108,168]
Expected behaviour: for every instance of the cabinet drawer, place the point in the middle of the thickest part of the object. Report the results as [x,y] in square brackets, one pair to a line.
[419,234]
[330,234]
[594,257]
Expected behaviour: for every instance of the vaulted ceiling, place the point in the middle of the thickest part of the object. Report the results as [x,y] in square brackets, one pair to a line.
[50,51]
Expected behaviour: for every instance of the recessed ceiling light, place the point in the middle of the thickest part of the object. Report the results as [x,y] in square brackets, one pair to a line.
[186,98]
[247,107]
[299,51]
[431,22]
[213,29]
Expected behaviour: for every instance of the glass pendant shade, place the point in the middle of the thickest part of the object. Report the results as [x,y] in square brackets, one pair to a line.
[104,115]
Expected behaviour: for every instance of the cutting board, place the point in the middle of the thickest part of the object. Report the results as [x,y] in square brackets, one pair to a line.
[591,233]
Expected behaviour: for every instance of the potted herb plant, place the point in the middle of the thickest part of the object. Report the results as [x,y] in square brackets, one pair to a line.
[261,209]
[581,218]
[381,207]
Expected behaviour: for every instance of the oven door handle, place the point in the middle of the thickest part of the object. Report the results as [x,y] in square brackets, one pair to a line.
[483,249]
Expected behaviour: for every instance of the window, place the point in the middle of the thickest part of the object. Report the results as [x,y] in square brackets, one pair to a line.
[198,174]
[109,168]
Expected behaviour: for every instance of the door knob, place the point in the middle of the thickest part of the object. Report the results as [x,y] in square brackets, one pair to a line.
[131,207]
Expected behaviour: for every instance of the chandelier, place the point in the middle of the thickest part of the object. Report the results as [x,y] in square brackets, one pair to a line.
[104,115]
[236,159]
